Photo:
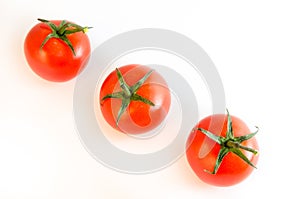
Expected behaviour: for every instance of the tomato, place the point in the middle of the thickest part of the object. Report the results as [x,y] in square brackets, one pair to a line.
[57,50]
[221,150]
[134,99]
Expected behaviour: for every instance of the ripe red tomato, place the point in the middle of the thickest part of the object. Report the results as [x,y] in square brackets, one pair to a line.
[57,50]
[221,150]
[134,99]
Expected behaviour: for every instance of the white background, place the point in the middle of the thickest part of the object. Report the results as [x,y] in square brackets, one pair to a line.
[255,46]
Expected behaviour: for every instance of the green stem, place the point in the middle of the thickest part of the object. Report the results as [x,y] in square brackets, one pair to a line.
[255,152]
[61,32]
[229,143]
[128,93]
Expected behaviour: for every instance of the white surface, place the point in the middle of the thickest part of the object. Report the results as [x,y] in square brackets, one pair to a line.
[255,45]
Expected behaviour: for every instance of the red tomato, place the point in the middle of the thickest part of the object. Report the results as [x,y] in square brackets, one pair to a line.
[62,56]
[134,99]
[222,153]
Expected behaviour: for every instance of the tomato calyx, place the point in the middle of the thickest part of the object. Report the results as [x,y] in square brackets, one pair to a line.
[229,143]
[128,93]
[65,28]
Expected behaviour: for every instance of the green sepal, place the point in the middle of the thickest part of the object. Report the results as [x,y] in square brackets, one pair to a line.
[229,143]
[137,97]
[229,133]
[52,35]
[123,84]
[67,41]
[125,104]
[239,153]
[50,24]
[246,137]
[222,153]
[128,93]
[61,32]
[113,95]
[137,85]
[212,136]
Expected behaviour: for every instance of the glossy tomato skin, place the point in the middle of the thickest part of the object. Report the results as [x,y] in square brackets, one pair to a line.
[202,152]
[55,61]
[139,117]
